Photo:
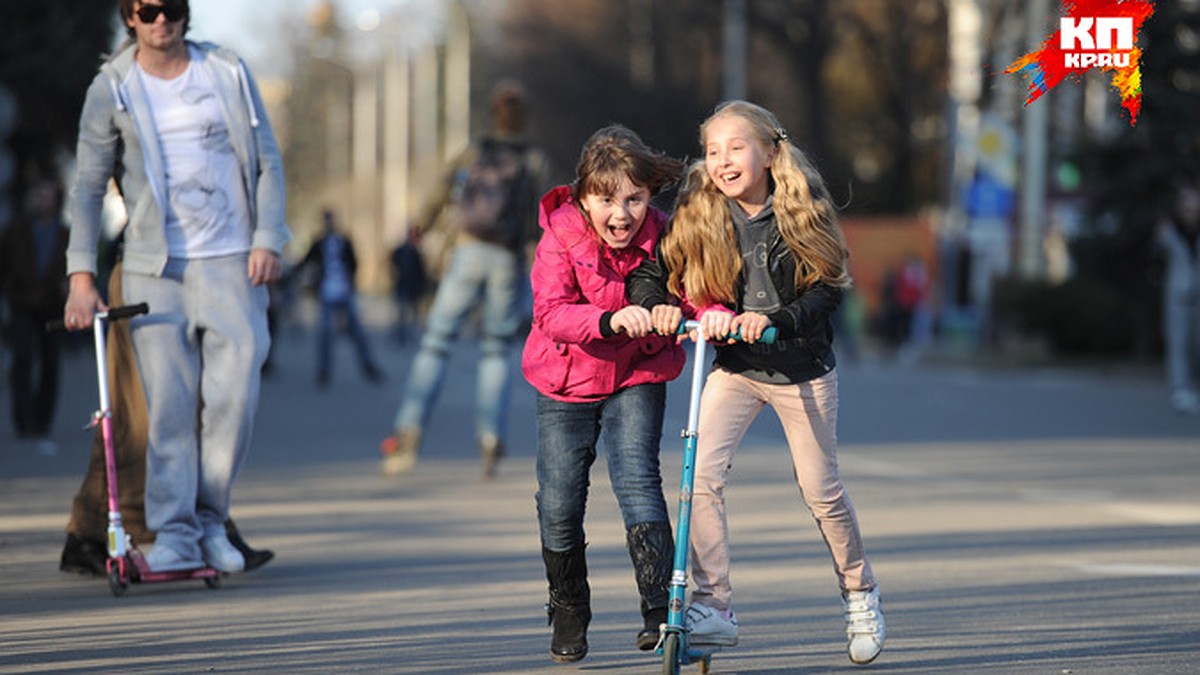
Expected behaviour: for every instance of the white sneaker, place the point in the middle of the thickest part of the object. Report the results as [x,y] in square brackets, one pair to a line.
[708,626]
[164,559]
[222,555]
[864,625]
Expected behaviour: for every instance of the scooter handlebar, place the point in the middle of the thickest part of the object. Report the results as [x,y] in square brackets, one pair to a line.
[768,336]
[113,314]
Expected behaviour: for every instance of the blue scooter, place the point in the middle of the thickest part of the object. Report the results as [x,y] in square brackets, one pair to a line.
[673,640]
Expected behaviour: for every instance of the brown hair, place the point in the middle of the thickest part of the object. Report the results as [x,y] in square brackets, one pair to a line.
[510,106]
[616,152]
[127,7]
[700,248]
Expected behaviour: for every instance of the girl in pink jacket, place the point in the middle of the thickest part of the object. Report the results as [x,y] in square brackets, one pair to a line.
[600,371]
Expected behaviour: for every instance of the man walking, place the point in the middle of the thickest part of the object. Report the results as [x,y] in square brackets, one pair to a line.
[335,265]
[490,199]
[181,127]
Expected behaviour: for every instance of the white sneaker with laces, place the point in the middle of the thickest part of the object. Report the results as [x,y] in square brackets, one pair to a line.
[222,555]
[708,626]
[864,625]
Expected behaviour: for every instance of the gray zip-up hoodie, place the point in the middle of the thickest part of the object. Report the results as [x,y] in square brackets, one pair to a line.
[117,140]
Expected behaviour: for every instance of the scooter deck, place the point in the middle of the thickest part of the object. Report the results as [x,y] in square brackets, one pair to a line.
[140,572]
[132,569]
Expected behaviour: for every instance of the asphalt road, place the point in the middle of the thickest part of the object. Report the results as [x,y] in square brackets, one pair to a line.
[1020,521]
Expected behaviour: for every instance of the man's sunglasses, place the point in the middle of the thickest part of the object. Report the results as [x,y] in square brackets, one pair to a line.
[149,13]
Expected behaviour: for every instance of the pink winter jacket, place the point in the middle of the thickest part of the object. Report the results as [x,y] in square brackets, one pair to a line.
[576,280]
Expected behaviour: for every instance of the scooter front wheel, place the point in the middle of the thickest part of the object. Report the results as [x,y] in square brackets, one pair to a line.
[116,584]
[670,651]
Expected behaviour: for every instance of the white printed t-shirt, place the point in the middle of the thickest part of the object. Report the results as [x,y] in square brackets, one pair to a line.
[207,214]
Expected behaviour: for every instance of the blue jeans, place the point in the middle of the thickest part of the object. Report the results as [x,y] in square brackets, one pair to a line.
[478,272]
[348,308]
[631,423]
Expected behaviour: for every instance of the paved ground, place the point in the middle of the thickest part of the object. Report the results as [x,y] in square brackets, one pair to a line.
[1020,521]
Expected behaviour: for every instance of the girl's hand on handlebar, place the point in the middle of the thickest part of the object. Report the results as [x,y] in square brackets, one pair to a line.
[750,326]
[666,319]
[633,320]
[716,325]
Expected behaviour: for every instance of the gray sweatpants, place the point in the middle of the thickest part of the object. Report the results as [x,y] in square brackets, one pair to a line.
[200,351]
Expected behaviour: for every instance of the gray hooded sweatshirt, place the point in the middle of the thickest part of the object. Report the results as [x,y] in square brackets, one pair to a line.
[117,140]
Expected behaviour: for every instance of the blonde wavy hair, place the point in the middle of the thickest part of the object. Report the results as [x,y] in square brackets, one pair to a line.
[700,248]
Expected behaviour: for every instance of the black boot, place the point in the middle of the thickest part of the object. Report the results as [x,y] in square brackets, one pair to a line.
[653,553]
[255,558]
[85,556]
[569,609]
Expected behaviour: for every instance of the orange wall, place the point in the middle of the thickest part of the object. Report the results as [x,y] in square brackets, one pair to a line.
[878,244]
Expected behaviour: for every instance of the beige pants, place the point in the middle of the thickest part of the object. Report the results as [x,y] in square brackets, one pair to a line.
[808,412]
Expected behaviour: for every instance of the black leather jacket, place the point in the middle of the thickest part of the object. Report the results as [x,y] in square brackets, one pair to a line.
[804,322]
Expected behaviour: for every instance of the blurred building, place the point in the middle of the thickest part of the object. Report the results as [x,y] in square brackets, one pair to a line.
[378,103]
[1013,199]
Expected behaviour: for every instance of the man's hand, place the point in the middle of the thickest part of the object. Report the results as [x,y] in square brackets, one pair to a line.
[264,266]
[83,301]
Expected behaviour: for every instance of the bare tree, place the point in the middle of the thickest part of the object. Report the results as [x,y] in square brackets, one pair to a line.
[860,84]
[898,48]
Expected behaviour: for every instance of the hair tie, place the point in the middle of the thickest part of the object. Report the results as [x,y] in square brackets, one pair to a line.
[780,135]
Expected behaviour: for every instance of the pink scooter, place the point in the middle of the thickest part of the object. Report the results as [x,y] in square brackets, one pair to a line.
[126,564]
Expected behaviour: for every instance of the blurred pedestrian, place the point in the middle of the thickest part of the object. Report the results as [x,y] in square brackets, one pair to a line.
[905,314]
[182,128]
[753,243]
[1179,237]
[335,265]
[409,283]
[914,302]
[489,199]
[847,326]
[85,550]
[32,276]
[600,371]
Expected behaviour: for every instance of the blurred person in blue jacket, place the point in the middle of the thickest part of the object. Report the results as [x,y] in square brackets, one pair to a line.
[335,265]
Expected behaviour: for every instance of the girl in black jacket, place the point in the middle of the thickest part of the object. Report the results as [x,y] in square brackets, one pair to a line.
[754,243]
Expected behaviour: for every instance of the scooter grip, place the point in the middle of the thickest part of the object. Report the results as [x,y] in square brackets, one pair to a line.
[768,336]
[126,311]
